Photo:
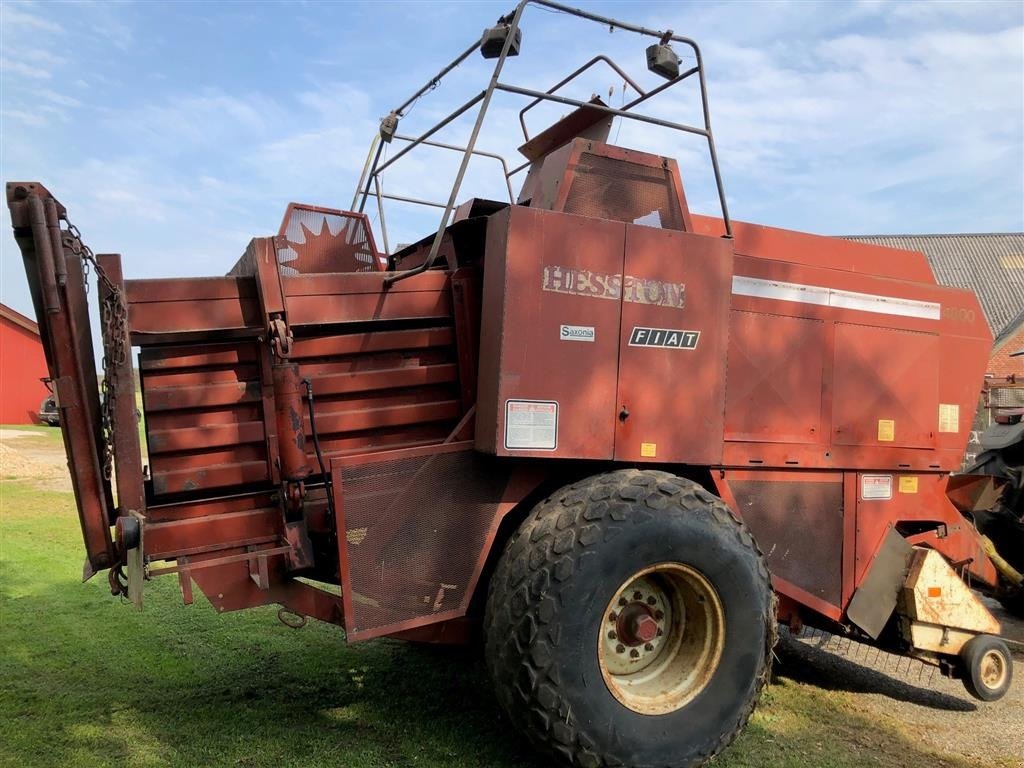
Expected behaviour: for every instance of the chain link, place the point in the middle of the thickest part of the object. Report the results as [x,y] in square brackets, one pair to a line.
[114,324]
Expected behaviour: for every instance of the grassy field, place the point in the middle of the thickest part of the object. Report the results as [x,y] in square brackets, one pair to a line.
[87,681]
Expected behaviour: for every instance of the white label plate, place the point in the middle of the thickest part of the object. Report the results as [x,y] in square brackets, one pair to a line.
[875,487]
[577,333]
[531,425]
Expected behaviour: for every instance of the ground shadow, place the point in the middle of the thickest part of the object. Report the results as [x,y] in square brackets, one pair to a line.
[819,667]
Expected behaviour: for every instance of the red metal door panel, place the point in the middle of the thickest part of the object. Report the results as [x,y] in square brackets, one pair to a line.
[774,378]
[672,347]
[886,387]
[549,336]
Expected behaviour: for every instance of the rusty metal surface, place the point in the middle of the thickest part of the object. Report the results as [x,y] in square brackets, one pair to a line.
[876,597]
[291,432]
[768,399]
[602,322]
[411,529]
[674,325]
[131,492]
[530,273]
[204,416]
[611,183]
[60,310]
[797,520]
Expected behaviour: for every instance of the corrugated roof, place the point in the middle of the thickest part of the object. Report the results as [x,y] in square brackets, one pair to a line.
[18,319]
[991,265]
[1010,329]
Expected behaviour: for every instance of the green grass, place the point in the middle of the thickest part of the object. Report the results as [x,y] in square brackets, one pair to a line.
[85,680]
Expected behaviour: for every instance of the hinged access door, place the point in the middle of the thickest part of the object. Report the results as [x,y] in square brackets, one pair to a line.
[675,304]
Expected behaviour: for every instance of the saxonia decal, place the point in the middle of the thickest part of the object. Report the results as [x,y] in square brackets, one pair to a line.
[663,337]
[602,285]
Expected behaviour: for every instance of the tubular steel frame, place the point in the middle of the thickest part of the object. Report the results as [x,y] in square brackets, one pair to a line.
[373,170]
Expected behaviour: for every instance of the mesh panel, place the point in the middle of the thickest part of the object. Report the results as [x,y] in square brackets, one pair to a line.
[619,190]
[415,528]
[799,527]
[325,242]
[1006,397]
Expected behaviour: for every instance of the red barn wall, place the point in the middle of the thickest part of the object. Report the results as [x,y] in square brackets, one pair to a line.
[22,364]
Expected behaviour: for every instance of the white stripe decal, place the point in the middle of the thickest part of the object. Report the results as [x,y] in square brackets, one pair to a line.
[831,297]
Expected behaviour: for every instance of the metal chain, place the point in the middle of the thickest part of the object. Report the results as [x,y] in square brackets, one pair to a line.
[114,324]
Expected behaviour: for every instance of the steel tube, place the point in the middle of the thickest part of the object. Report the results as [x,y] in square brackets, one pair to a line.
[423,137]
[560,83]
[610,110]
[433,82]
[470,146]
[480,152]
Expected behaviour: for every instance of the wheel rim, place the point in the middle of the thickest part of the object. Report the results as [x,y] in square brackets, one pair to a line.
[993,670]
[661,638]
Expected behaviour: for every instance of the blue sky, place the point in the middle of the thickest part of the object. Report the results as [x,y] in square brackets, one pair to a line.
[175,132]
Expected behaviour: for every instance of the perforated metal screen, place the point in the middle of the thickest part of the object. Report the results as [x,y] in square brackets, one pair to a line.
[415,528]
[619,190]
[324,241]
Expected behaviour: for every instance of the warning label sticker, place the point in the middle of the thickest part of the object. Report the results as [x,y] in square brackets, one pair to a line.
[908,484]
[531,425]
[949,417]
[886,430]
[875,487]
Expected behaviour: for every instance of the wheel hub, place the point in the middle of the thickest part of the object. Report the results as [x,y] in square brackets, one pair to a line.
[661,638]
[636,625]
[993,670]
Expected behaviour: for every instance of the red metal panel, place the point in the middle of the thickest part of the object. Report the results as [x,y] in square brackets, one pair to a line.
[916,501]
[774,504]
[314,239]
[785,245]
[165,538]
[886,387]
[675,313]
[546,271]
[769,397]
[120,385]
[401,568]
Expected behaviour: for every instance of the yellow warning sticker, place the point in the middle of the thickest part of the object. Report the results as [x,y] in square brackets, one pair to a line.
[649,450]
[908,484]
[886,430]
[949,417]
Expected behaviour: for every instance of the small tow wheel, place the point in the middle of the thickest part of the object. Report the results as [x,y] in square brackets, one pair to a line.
[987,667]
[630,621]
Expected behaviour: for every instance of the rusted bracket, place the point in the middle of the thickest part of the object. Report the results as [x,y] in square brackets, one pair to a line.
[187,567]
[292,464]
[258,571]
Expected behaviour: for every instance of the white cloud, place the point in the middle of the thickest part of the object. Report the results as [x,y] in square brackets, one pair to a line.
[17,20]
[9,67]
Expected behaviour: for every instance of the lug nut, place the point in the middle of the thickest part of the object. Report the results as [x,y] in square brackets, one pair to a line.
[620,648]
[660,632]
[634,654]
[648,647]
[659,615]
[638,595]
[613,616]
[612,635]
[651,600]
[622,601]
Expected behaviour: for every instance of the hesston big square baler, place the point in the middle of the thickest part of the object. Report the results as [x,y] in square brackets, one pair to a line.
[620,439]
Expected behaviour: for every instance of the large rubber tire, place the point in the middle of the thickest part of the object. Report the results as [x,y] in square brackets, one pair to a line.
[546,607]
[987,667]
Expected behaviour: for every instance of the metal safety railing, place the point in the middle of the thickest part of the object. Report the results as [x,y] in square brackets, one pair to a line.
[370,184]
